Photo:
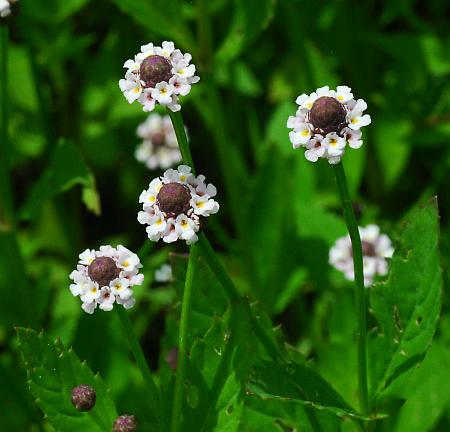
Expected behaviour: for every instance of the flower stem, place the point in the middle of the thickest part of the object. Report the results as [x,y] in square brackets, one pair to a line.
[141,363]
[360,294]
[6,203]
[177,121]
[182,339]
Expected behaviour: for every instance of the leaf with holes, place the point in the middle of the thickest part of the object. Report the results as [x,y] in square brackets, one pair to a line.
[53,371]
[406,305]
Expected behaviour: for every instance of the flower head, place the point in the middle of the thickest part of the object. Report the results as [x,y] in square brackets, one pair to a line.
[158,74]
[325,121]
[83,397]
[159,148]
[164,274]
[125,423]
[376,247]
[105,277]
[175,204]
[5,7]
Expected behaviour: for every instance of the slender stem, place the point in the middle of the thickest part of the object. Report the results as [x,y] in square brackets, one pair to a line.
[182,339]
[6,203]
[141,363]
[178,125]
[360,294]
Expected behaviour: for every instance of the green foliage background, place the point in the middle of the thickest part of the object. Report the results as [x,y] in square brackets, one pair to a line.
[76,185]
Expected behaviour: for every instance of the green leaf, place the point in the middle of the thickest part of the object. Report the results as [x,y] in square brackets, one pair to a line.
[297,383]
[53,371]
[65,170]
[249,19]
[159,16]
[407,304]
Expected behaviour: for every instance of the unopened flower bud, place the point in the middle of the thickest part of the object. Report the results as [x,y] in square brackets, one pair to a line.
[155,69]
[125,423]
[174,198]
[83,397]
[103,270]
[328,115]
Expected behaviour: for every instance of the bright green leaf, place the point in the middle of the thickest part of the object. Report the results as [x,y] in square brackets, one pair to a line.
[53,371]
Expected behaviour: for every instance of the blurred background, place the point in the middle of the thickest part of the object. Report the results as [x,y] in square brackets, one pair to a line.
[76,181]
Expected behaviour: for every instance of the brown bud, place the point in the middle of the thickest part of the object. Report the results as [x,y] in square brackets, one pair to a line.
[328,115]
[103,270]
[173,199]
[155,69]
[83,397]
[125,423]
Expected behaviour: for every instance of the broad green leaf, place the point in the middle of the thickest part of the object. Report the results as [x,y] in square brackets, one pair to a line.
[299,384]
[250,17]
[65,170]
[427,392]
[53,371]
[407,304]
[161,17]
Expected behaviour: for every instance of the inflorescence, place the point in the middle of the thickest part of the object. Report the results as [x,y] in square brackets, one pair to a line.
[105,277]
[175,204]
[158,74]
[326,121]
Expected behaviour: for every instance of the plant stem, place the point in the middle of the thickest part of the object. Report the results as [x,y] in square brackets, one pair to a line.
[208,253]
[360,294]
[182,339]
[6,203]
[141,363]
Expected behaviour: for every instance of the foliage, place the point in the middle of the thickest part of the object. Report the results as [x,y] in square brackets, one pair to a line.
[71,147]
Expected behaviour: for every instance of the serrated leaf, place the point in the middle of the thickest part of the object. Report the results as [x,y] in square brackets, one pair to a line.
[407,304]
[297,383]
[65,170]
[249,19]
[53,371]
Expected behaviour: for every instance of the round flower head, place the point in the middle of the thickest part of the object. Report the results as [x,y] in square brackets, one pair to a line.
[83,397]
[164,274]
[158,74]
[159,148]
[5,7]
[125,423]
[326,121]
[175,204]
[376,248]
[105,277]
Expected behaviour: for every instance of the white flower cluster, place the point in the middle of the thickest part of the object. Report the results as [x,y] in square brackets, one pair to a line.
[326,121]
[5,7]
[376,248]
[159,148]
[164,274]
[174,204]
[158,74]
[106,276]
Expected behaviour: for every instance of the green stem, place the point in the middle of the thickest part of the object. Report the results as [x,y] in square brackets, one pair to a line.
[178,125]
[141,363]
[6,202]
[182,339]
[360,294]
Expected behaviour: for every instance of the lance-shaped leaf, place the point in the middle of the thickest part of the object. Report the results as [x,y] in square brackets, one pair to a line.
[53,371]
[407,304]
[297,383]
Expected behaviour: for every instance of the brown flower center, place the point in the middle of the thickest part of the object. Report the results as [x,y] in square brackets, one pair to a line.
[173,199]
[328,115]
[368,249]
[103,270]
[155,69]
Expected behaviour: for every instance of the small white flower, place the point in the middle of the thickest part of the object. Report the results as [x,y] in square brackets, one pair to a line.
[5,7]
[158,74]
[164,273]
[159,148]
[174,204]
[325,121]
[106,276]
[377,248]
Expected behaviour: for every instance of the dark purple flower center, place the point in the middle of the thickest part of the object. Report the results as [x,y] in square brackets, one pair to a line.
[83,397]
[158,139]
[155,69]
[328,115]
[173,199]
[103,270]
[368,249]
